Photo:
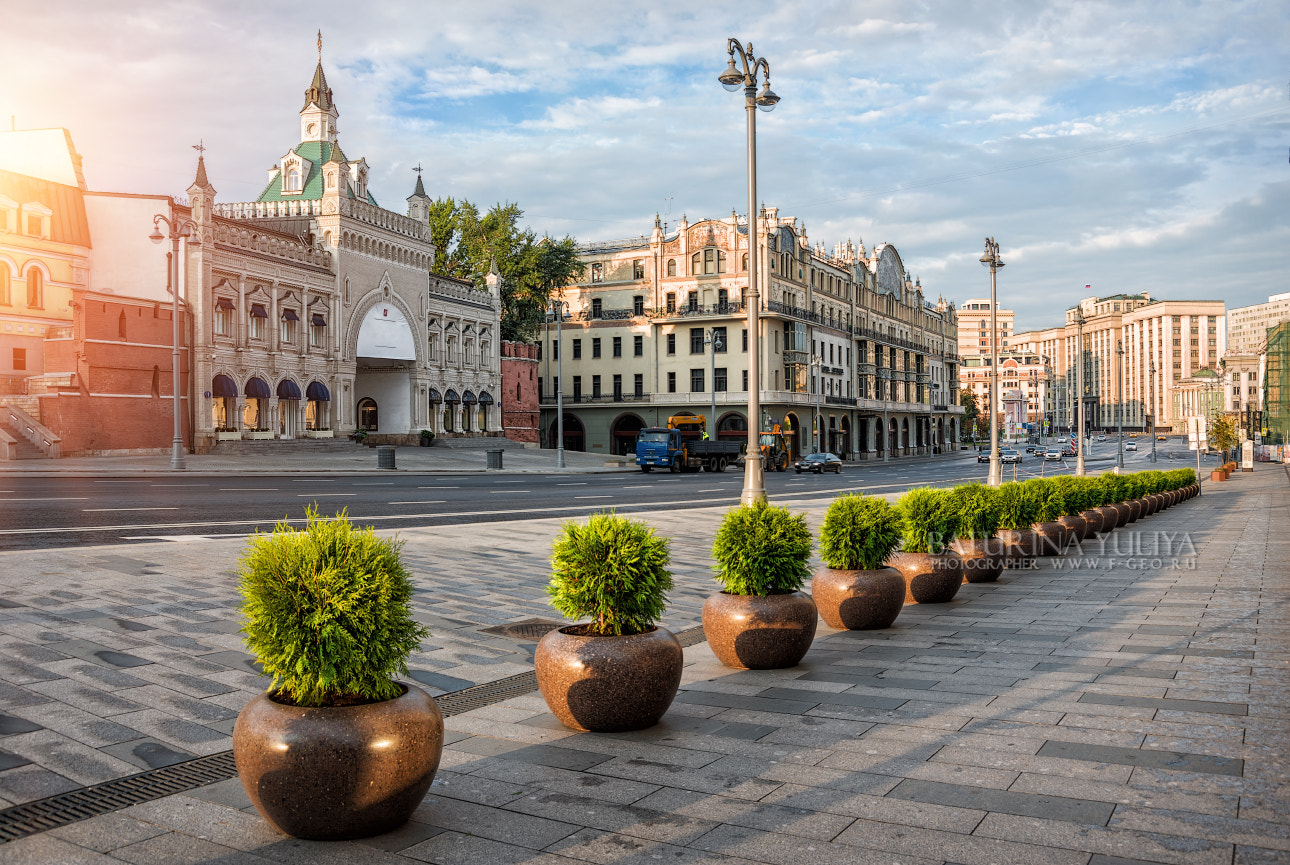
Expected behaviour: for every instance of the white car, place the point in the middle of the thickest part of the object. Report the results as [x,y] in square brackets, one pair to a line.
[1131,446]
[1009,455]
[1101,438]
[1053,456]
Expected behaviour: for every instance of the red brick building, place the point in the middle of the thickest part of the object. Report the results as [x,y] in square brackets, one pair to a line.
[107,381]
[520,392]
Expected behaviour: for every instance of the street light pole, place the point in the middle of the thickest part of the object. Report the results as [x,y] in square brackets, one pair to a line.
[1079,391]
[557,309]
[178,228]
[817,424]
[1152,387]
[1119,399]
[711,338]
[732,79]
[991,260]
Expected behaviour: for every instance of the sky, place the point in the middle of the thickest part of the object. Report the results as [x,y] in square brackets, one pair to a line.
[1130,146]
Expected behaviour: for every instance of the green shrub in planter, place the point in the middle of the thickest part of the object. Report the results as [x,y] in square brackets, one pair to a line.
[761,550]
[978,510]
[1113,488]
[1088,491]
[613,571]
[859,533]
[1050,502]
[1018,509]
[928,520]
[1072,495]
[328,612]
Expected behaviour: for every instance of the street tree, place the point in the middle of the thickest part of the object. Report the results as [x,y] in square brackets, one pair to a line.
[1222,433]
[967,399]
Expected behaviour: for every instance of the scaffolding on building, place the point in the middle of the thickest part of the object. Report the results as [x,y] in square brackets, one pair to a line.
[1276,390]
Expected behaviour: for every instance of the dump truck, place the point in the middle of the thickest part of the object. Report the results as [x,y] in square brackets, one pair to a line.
[683,446]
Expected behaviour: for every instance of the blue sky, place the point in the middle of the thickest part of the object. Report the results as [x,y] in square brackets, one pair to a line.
[1128,145]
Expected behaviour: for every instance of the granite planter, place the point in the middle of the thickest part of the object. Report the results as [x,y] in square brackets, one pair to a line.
[333,773]
[1135,510]
[608,684]
[748,632]
[1076,528]
[860,600]
[982,559]
[1110,517]
[1092,523]
[930,578]
[1050,538]
[1123,512]
[1019,545]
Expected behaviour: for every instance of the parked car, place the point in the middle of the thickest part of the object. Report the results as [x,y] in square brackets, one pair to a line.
[1009,455]
[818,463]
[1131,446]
[1053,456]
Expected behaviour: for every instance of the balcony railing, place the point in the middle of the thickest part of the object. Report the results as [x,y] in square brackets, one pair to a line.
[840,400]
[687,311]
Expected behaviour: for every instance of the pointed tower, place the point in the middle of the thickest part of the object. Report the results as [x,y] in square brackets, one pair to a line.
[318,117]
[494,278]
[419,202]
[201,195]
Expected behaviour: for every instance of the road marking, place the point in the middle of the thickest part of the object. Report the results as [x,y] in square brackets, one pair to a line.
[508,482]
[313,480]
[315,495]
[52,499]
[114,510]
[438,502]
[714,490]
[596,497]
[139,481]
[506,492]
[376,484]
[438,488]
[181,485]
[247,489]
[640,487]
[573,484]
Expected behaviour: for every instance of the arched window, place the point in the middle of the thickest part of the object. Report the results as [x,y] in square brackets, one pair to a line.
[745,262]
[120,325]
[293,180]
[35,289]
[4,285]
[367,414]
[671,267]
[708,261]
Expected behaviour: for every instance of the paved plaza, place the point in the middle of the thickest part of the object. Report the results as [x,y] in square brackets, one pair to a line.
[1123,705]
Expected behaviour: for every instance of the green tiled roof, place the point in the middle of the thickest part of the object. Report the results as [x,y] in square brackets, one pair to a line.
[319,153]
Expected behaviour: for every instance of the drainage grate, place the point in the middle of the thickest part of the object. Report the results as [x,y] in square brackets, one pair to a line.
[31,818]
[531,630]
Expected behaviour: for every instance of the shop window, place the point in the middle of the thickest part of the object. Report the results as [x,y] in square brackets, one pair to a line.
[367,415]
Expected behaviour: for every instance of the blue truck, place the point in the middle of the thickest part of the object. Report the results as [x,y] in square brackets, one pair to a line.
[681,446]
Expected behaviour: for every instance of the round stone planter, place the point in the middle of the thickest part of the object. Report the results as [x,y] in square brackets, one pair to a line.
[1092,522]
[1076,528]
[930,578]
[1019,546]
[751,633]
[982,559]
[1123,512]
[860,600]
[334,773]
[1050,538]
[1110,517]
[1135,510]
[608,684]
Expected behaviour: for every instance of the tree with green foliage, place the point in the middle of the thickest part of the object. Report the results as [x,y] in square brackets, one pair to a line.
[971,411]
[1222,433]
[469,244]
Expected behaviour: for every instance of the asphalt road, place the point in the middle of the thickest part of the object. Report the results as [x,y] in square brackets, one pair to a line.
[46,512]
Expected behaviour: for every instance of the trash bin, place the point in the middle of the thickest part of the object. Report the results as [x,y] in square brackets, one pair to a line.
[495,458]
[385,457]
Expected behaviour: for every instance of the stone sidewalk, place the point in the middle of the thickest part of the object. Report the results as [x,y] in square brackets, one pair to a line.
[1124,705]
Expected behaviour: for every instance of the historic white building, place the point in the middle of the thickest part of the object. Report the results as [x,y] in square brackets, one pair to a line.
[315,311]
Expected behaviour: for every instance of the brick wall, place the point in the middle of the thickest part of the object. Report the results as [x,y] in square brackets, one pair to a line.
[519,397]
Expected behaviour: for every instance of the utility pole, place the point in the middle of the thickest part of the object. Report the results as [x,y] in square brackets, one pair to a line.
[1119,399]
[990,259]
[1152,387]
[1079,391]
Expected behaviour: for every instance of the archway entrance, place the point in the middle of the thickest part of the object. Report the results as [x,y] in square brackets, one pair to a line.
[623,433]
[732,427]
[792,436]
[575,437]
[385,355]
[893,438]
[843,445]
[904,435]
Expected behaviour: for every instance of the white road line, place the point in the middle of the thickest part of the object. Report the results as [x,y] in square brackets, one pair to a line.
[509,482]
[573,484]
[593,497]
[52,499]
[506,492]
[438,488]
[247,489]
[714,490]
[315,495]
[640,487]
[114,510]
[437,502]
[376,484]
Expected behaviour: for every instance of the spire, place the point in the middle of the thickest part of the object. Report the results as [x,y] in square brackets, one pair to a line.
[201,173]
[420,190]
[318,93]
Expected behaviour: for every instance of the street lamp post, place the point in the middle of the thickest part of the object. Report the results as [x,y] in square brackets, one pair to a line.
[733,79]
[1079,391]
[177,228]
[817,424]
[558,308]
[1152,387]
[713,339]
[1119,399]
[991,260]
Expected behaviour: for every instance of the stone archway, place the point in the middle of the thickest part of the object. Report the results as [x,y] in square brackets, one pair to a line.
[575,436]
[622,433]
[385,352]
[793,436]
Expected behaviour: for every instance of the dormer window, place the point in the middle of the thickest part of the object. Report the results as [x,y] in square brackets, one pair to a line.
[293,179]
[35,220]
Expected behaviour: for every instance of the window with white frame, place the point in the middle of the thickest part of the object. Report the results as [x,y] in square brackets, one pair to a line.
[317,330]
[287,327]
[256,320]
[223,316]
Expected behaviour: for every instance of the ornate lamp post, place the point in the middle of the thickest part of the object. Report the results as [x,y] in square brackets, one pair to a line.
[558,308]
[817,424]
[1119,399]
[734,77]
[991,260]
[1079,391]
[177,228]
[712,338]
[1152,426]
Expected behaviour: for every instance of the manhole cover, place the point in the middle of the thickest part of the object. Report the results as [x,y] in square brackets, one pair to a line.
[530,629]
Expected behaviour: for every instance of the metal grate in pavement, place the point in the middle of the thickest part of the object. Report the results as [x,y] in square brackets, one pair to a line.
[529,629]
[31,818]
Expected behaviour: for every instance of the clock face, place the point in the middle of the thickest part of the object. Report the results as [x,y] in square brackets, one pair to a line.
[312,128]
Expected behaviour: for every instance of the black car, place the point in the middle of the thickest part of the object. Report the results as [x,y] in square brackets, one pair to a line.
[983,455]
[818,463]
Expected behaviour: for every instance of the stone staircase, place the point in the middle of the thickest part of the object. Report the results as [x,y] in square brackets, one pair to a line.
[477,443]
[277,447]
[23,450]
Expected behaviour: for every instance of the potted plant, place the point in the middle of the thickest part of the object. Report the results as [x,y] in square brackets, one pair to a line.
[855,589]
[1091,499]
[1072,497]
[760,620]
[358,436]
[618,671]
[321,432]
[1051,536]
[982,554]
[1114,494]
[259,434]
[336,748]
[227,434]
[1017,514]
[932,571]
[427,438]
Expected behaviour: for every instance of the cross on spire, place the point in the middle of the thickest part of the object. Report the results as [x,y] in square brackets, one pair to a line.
[201,150]
[417,168]
[320,46]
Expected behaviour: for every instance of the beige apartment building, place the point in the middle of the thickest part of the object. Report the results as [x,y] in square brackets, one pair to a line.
[1125,336]
[974,327]
[853,359]
[1247,326]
